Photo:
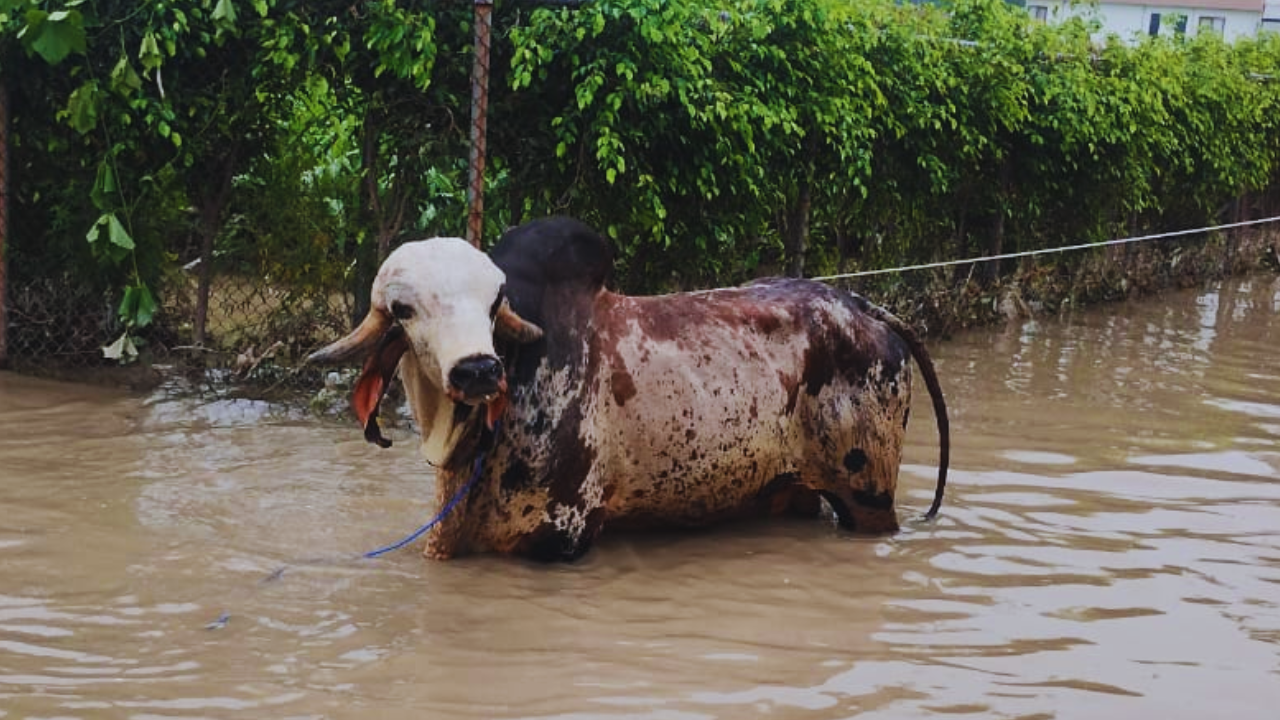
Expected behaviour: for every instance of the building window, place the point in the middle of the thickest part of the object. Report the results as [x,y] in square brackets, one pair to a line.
[1153,25]
[1212,23]
[1271,26]
[1039,13]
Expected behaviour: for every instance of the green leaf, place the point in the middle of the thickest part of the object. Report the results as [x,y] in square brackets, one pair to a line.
[149,53]
[104,188]
[224,14]
[123,78]
[93,234]
[55,36]
[82,108]
[143,307]
[128,306]
[117,234]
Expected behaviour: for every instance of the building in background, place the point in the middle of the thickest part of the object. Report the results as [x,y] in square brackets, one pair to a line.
[1271,16]
[1231,19]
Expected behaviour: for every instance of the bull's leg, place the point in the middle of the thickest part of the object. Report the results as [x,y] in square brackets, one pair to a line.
[443,544]
[568,532]
[795,501]
[448,539]
[860,490]
[550,543]
[866,483]
[862,513]
[784,495]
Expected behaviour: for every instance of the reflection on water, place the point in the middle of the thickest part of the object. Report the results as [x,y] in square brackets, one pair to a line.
[1110,549]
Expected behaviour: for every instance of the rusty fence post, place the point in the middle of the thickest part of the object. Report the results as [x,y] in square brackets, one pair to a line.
[479,110]
[4,224]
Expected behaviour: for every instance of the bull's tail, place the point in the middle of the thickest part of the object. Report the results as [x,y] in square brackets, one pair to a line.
[922,358]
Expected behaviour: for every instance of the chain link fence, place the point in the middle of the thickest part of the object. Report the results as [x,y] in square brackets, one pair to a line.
[257,334]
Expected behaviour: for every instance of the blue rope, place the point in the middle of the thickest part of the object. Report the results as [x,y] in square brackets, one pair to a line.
[444,512]
[276,574]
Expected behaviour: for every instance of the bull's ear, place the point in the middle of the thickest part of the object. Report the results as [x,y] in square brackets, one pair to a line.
[360,341]
[510,326]
[378,370]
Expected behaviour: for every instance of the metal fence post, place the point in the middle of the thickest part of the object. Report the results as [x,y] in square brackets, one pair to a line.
[479,110]
[4,224]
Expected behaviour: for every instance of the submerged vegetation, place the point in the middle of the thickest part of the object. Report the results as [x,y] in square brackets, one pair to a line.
[293,143]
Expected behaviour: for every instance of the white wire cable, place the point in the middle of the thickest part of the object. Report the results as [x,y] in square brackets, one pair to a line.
[1046,251]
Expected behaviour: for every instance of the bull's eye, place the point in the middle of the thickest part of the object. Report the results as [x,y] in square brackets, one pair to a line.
[401,311]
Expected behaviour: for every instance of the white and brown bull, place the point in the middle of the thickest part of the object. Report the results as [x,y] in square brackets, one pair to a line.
[675,410]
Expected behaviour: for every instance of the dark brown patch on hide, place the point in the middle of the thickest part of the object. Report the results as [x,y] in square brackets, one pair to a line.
[664,321]
[847,350]
[792,387]
[571,459]
[832,352]
[538,425]
[516,476]
[547,544]
[749,313]
[855,460]
[763,322]
[624,388]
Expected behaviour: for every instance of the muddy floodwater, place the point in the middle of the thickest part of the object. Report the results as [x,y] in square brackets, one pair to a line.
[1109,548]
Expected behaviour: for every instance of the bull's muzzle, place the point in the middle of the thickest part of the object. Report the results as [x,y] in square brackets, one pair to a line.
[477,379]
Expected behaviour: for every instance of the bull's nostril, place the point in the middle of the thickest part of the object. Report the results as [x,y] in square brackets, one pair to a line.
[478,374]
[494,370]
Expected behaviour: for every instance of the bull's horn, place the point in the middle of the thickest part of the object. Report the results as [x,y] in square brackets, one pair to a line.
[361,340]
[513,327]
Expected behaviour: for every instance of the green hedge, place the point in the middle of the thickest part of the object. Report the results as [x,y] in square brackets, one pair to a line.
[713,140]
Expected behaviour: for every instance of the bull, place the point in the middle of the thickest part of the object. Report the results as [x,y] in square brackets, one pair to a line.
[570,407]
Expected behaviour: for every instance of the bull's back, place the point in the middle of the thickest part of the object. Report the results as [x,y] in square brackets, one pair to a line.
[709,401]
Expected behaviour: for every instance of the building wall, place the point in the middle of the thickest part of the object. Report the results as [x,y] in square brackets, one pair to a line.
[1271,16]
[1130,21]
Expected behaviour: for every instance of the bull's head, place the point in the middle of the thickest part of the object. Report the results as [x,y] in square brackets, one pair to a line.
[436,306]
